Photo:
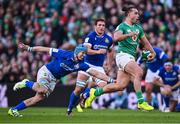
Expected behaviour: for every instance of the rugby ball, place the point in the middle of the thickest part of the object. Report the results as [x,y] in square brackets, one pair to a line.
[145,55]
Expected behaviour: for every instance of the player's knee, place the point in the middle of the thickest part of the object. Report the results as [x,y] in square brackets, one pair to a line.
[148,90]
[42,90]
[78,90]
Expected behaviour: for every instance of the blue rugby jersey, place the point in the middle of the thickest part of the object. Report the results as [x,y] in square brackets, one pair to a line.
[64,63]
[97,42]
[169,78]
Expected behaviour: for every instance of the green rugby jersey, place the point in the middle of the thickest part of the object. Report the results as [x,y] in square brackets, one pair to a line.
[129,45]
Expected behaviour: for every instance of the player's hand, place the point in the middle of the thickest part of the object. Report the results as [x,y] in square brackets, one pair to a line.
[22,46]
[151,56]
[101,51]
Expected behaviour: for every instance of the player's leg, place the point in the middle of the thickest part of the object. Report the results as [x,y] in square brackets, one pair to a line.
[122,82]
[24,104]
[166,99]
[174,100]
[44,86]
[121,60]
[149,89]
[80,85]
[23,84]
[173,104]
[85,94]
[149,80]
[133,69]
[29,84]
[178,107]
[41,92]
[90,84]
[98,82]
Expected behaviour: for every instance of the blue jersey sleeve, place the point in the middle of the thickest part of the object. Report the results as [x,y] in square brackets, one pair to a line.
[84,66]
[161,70]
[176,68]
[161,54]
[111,43]
[89,39]
[59,53]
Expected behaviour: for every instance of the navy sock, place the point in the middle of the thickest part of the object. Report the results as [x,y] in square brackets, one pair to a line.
[86,92]
[178,107]
[20,106]
[29,84]
[166,100]
[73,100]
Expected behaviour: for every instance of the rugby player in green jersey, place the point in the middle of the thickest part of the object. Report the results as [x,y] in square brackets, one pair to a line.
[128,34]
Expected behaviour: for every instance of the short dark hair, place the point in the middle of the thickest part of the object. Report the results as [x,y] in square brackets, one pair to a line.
[127,9]
[99,20]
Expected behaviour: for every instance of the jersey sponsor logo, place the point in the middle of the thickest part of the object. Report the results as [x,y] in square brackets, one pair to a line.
[133,43]
[100,47]
[67,68]
[170,79]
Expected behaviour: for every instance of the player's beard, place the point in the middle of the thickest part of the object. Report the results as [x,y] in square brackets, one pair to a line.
[135,21]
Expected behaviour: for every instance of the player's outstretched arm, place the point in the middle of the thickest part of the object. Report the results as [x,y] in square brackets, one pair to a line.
[35,48]
[100,75]
[93,52]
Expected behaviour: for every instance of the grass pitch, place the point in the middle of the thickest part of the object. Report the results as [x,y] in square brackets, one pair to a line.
[57,115]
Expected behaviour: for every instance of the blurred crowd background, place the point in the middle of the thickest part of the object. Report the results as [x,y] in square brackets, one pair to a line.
[65,23]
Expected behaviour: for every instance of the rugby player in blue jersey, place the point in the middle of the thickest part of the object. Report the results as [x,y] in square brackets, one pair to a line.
[169,83]
[64,62]
[99,44]
[152,70]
